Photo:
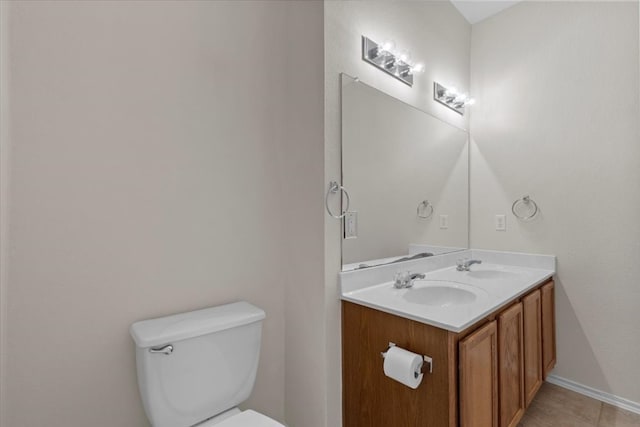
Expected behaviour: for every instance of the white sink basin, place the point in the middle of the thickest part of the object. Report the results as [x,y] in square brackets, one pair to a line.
[441,293]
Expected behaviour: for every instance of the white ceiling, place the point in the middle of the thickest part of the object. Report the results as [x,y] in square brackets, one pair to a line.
[477,10]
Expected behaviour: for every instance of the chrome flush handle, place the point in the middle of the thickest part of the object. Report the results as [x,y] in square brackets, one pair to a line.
[166,350]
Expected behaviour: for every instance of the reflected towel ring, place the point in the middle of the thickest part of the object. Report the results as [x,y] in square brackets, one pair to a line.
[426,208]
[334,188]
[529,204]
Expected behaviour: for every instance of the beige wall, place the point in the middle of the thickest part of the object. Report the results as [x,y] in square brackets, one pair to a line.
[436,34]
[557,118]
[4,190]
[149,171]
[303,212]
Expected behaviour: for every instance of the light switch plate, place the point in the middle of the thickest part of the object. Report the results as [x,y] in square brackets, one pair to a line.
[501,223]
[444,222]
[351,225]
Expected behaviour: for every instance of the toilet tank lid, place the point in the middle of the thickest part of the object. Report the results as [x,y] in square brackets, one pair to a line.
[164,330]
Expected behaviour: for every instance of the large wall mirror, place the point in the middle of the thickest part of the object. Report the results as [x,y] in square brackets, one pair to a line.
[407,174]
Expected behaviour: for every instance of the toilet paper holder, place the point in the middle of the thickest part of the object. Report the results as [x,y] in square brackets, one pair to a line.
[428,361]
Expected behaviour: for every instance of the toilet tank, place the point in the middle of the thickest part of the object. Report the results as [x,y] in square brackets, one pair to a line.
[193,366]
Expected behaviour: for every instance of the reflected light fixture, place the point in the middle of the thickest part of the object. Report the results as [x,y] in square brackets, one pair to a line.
[451,98]
[385,57]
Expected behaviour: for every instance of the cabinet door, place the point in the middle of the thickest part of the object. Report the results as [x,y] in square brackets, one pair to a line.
[532,345]
[479,378]
[548,328]
[511,357]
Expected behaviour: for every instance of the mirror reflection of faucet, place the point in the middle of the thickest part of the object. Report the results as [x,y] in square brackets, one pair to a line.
[464,264]
[404,279]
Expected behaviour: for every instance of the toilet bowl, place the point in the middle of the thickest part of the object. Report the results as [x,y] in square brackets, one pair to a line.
[195,368]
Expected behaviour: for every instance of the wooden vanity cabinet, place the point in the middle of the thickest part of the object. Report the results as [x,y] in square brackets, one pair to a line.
[371,399]
[532,310]
[479,378]
[548,328]
[511,362]
[484,376]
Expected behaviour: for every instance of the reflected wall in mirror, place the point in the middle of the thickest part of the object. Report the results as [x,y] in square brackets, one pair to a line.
[398,164]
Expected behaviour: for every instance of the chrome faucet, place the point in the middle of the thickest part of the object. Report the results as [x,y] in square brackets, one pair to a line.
[464,264]
[405,279]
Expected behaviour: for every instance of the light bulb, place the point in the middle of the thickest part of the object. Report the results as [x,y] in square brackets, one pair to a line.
[388,46]
[470,101]
[404,56]
[418,68]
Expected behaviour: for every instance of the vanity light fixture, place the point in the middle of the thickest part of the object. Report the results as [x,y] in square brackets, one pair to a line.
[450,97]
[385,57]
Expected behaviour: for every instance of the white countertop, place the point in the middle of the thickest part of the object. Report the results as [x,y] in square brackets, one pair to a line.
[494,284]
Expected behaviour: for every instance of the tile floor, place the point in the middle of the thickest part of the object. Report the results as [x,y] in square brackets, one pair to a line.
[558,407]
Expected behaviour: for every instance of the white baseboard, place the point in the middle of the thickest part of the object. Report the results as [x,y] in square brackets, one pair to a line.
[602,396]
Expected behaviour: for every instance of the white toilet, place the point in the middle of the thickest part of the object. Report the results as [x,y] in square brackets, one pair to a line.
[195,368]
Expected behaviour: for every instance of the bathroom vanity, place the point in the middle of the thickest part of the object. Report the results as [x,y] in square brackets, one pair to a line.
[488,329]
[490,353]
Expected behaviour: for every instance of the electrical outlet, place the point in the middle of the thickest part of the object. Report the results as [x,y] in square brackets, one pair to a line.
[501,223]
[444,222]
[351,225]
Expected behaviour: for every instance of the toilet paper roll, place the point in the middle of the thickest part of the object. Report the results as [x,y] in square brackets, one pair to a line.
[403,366]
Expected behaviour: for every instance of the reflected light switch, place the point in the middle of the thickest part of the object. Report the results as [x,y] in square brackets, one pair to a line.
[501,223]
[351,225]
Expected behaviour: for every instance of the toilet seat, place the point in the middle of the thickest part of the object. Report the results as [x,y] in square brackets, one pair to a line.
[246,418]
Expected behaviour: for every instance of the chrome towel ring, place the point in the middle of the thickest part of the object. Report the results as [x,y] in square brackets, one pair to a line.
[424,209]
[524,208]
[335,188]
